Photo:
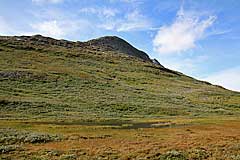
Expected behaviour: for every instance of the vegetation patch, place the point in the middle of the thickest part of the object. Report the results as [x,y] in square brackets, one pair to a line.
[11,137]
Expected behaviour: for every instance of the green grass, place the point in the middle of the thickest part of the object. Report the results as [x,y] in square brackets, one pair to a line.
[52,82]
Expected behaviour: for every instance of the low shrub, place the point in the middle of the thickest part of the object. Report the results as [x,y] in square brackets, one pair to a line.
[8,148]
[68,157]
[10,136]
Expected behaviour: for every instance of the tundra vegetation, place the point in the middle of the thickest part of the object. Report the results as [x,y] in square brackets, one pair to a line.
[82,100]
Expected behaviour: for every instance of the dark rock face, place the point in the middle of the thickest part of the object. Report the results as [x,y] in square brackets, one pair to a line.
[155,61]
[117,44]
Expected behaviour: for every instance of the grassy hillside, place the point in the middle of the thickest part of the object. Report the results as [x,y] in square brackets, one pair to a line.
[87,82]
[64,100]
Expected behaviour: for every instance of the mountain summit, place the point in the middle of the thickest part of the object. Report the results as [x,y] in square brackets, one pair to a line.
[106,43]
[117,44]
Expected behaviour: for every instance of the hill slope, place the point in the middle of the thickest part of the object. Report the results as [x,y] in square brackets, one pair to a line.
[44,78]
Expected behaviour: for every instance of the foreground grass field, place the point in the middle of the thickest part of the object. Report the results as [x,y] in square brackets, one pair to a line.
[74,100]
[179,138]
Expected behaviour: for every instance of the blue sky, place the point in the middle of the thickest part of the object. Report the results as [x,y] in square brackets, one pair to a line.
[200,38]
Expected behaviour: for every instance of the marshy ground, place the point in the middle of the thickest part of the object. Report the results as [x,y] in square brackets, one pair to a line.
[178,138]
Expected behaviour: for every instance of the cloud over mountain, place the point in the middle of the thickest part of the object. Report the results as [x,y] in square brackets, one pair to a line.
[183,33]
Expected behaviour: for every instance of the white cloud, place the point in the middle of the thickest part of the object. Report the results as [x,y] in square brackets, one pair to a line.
[4,27]
[7,29]
[186,65]
[47,1]
[126,1]
[134,21]
[101,12]
[182,34]
[49,28]
[110,25]
[229,78]
[60,29]
[108,12]
[131,22]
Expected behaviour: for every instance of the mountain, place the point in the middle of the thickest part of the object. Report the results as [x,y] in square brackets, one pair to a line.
[107,43]
[45,78]
[113,43]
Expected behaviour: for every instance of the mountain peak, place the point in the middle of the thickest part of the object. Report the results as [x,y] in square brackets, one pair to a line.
[107,43]
[118,44]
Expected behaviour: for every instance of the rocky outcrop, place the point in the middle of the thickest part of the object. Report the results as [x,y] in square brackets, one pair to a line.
[117,44]
[155,61]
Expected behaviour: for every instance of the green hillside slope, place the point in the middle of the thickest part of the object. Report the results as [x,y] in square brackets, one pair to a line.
[57,79]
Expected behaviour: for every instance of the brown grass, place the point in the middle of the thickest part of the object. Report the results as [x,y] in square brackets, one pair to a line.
[217,139]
